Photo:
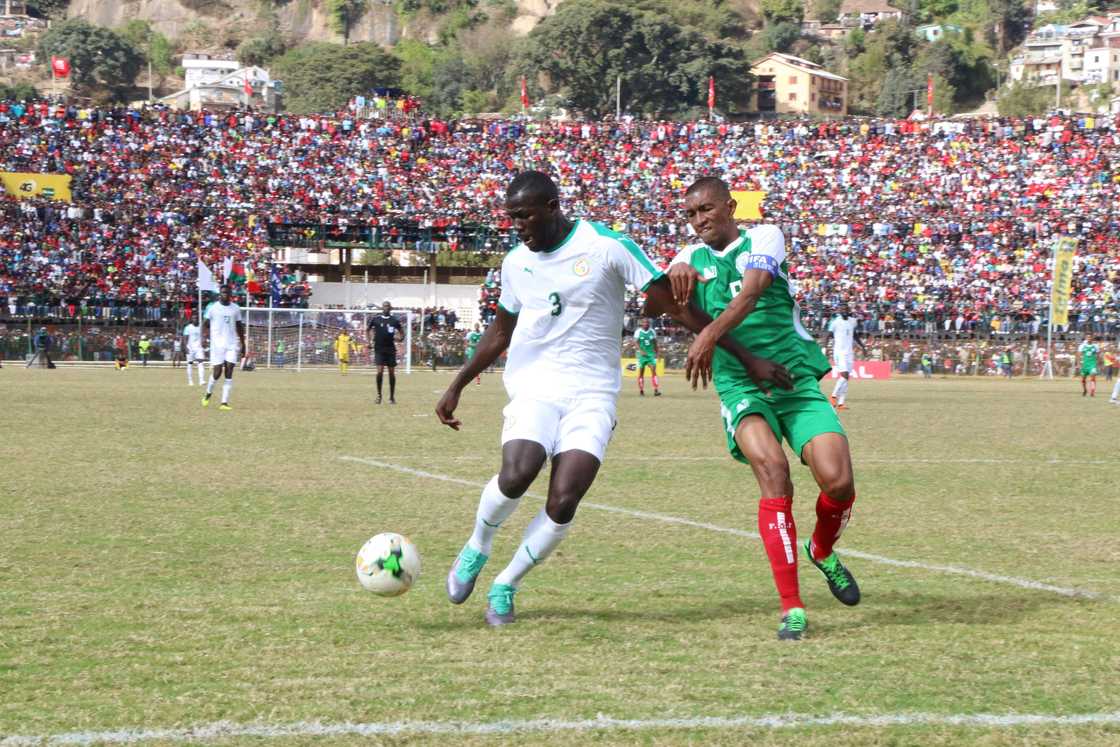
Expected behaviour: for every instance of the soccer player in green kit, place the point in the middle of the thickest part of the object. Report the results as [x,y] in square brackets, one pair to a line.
[1088,352]
[647,356]
[472,340]
[740,278]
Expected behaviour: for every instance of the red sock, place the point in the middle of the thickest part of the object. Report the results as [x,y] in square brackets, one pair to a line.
[641,383]
[779,536]
[656,386]
[1092,387]
[832,517]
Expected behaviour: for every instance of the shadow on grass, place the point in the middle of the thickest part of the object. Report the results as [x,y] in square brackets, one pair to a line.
[692,611]
[902,608]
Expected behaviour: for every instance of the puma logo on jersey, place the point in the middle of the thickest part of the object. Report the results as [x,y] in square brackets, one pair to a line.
[528,270]
[709,273]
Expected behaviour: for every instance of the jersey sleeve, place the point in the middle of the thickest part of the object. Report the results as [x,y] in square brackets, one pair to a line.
[768,251]
[684,256]
[635,266]
[236,313]
[508,300]
[206,313]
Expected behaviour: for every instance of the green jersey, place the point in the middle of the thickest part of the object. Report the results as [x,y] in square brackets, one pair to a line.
[773,329]
[647,341]
[1089,352]
[473,339]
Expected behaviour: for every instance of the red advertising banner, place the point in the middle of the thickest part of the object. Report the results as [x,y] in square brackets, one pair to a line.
[867,370]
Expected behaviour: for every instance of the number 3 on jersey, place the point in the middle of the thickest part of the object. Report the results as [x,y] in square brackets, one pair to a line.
[557,307]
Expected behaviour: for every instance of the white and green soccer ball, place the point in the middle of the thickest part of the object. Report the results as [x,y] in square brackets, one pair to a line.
[388,564]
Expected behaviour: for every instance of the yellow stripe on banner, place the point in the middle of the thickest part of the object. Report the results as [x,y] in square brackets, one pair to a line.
[1062,281]
[25,185]
[748,205]
[630,367]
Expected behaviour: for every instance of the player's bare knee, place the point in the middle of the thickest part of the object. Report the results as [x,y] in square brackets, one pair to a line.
[515,479]
[561,506]
[837,483]
[773,474]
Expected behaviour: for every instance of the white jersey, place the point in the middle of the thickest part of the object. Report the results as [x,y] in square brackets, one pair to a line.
[843,334]
[570,303]
[193,333]
[223,325]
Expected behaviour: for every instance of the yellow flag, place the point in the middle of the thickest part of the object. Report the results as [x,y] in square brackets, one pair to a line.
[1062,280]
[23,185]
[749,205]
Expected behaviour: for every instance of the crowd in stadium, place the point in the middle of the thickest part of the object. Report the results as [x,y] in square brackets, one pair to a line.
[941,224]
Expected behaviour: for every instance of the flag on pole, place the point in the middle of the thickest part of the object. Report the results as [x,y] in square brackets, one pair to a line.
[274,286]
[227,268]
[929,94]
[206,279]
[711,93]
[524,94]
[248,88]
[1062,280]
[60,67]
[237,274]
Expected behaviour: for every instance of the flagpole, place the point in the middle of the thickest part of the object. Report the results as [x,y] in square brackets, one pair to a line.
[618,99]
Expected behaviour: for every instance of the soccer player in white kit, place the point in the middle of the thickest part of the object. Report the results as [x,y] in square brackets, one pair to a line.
[192,337]
[843,330]
[560,315]
[227,341]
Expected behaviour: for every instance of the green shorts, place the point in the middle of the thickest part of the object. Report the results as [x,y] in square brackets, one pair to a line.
[468,353]
[1088,370]
[647,360]
[797,415]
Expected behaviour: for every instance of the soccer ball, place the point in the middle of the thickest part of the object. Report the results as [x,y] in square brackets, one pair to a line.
[388,564]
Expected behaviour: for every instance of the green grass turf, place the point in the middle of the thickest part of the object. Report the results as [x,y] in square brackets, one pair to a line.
[162,565]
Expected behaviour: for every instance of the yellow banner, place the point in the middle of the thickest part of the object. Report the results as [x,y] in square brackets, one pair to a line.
[630,367]
[748,205]
[23,186]
[1062,280]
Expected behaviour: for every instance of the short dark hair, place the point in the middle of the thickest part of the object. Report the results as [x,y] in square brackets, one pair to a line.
[714,183]
[534,186]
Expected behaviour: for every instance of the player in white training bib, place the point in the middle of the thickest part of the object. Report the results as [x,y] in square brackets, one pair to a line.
[560,316]
[192,340]
[844,335]
[227,342]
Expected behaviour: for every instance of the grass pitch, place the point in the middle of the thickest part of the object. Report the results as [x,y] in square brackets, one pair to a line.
[166,566]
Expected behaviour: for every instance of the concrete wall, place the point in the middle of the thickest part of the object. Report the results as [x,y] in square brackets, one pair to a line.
[462,298]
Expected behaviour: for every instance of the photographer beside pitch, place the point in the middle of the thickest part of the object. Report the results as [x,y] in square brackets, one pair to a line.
[740,278]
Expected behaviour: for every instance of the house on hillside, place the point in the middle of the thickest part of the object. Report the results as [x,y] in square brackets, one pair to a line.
[932,32]
[867,13]
[792,85]
[820,30]
[218,84]
[1056,52]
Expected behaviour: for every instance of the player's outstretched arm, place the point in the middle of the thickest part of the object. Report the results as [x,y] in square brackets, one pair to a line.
[494,342]
[660,299]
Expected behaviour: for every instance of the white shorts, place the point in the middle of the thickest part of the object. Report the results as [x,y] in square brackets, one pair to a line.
[195,354]
[220,355]
[843,361]
[585,423]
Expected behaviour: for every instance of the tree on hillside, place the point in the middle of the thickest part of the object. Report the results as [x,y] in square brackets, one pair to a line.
[343,14]
[48,8]
[588,44]
[323,77]
[153,46]
[100,59]
[778,11]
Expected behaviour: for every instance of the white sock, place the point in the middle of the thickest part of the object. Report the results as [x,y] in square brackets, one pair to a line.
[542,536]
[210,385]
[493,508]
[1116,389]
[225,391]
[190,375]
[839,383]
[201,372]
[843,391]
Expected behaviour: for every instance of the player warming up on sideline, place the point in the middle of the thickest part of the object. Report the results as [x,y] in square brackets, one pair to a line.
[227,342]
[1088,352]
[382,331]
[741,278]
[647,356]
[342,350]
[472,339]
[192,340]
[560,314]
[844,333]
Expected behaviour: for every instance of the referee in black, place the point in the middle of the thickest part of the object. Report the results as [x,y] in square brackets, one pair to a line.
[382,331]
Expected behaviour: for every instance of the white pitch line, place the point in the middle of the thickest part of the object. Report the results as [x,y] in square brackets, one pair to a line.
[857,460]
[231,730]
[1023,583]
